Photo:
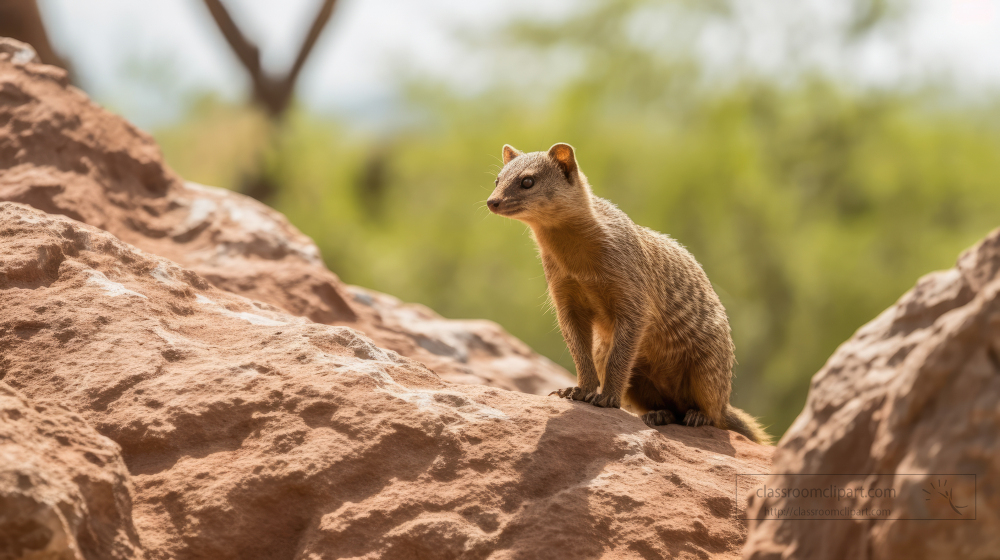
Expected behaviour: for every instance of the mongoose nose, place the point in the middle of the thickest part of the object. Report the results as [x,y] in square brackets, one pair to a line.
[493,204]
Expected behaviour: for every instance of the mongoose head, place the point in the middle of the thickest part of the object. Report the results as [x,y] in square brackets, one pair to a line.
[540,187]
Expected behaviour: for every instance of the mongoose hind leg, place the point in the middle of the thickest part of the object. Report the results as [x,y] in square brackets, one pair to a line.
[648,402]
[655,418]
[707,393]
[695,418]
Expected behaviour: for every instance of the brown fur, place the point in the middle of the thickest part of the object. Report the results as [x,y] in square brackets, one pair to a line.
[646,330]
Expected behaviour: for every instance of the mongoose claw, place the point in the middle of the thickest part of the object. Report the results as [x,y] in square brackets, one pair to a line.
[574,393]
[604,401]
[658,418]
[695,418]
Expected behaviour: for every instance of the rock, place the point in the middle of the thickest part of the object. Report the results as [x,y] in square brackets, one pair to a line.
[912,402]
[17,52]
[64,489]
[252,433]
[475,352]
[64,155]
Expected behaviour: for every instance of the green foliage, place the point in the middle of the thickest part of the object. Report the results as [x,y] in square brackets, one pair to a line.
[811,208]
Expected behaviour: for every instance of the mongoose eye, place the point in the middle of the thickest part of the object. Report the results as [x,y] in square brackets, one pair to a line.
[527,183]
[497,182]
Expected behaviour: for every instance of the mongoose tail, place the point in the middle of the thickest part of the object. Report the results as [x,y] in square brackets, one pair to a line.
[742,423]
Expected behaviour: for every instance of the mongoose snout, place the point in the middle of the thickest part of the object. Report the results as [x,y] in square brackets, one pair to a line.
[502,207]
[646,330]
[494,205]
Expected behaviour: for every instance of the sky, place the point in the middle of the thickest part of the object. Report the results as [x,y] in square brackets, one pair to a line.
[143,59]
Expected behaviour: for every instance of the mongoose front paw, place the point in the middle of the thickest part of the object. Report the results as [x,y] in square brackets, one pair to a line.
[574,393]
[658,418]
[604,401]
[695,418]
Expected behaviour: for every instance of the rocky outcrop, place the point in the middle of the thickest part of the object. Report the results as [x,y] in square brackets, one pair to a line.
[252,433]
[226,370]
[912,403]
[12,50]
[64,155]
[64,490]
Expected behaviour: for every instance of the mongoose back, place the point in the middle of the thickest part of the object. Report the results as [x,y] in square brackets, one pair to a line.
[645,328]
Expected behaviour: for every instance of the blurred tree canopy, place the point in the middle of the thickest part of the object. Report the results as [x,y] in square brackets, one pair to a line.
[812,205]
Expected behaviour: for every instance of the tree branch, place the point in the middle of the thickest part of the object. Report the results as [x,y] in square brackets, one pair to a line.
[247,52]
[319,23]
[272,93]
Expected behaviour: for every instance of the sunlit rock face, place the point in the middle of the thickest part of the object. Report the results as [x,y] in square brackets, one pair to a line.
[910,403]
[252,433]
[64,490]
[62,154]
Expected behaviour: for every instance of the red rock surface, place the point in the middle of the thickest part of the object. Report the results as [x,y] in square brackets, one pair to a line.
[64,155]
[275,428]
[64,490]
[910,401]
[252,433]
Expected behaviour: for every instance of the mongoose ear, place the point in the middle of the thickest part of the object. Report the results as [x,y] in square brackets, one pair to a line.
[564,156]
[509,153]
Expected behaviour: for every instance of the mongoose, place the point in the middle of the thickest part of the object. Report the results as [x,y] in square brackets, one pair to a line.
[645,328]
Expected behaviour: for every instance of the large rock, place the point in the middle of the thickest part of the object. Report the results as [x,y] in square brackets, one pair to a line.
[912,403]
[252,433]
[64,490]
[64,155]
